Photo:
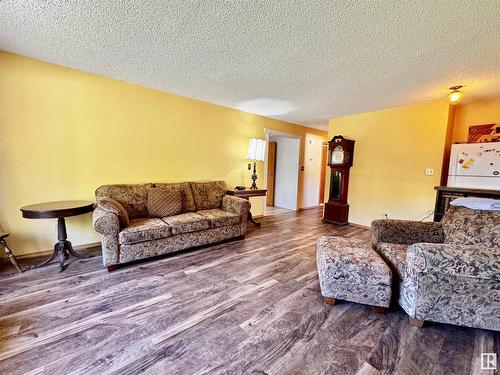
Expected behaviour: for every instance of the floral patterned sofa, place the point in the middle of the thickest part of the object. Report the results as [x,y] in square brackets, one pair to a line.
[129,232]
[446,272]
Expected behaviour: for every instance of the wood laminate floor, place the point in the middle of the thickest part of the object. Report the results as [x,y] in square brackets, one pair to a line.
[275,210]
[242,307]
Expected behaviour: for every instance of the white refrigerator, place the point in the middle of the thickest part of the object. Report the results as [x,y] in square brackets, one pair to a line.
[475,165]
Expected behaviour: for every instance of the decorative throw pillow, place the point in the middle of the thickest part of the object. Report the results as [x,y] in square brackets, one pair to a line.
[186,193]
[111,205]
[208,195]
[164,202]
[466,226]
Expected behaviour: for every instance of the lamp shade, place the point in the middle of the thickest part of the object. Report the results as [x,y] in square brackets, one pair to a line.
[256,149]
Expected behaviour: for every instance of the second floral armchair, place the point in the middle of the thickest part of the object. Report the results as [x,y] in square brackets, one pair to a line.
[445,272]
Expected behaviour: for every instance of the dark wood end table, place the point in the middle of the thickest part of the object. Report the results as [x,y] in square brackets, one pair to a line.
[247,194]
[58,210]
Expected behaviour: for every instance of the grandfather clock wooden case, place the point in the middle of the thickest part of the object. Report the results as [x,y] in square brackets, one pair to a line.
[340,157]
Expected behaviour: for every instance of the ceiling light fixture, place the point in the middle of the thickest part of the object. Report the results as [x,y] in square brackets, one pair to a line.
[456,95]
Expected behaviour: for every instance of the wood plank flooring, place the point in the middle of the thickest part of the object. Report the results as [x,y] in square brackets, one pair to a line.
[241,307]
[275,210]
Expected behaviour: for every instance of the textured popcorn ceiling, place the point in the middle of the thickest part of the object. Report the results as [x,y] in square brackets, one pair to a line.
[300,61]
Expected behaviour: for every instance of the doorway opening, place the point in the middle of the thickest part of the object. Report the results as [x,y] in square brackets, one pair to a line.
[283,163]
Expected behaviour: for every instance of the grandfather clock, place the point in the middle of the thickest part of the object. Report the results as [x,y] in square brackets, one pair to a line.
[340,156]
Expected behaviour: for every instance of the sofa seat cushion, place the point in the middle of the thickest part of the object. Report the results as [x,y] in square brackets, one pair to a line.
[465,226]
[187,222]
[144,229]
[132,252]
[220,218]
[395,256]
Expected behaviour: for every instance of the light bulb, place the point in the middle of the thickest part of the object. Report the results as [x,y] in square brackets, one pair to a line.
[455,97]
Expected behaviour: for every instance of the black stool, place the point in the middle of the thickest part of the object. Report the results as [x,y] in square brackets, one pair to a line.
[11,256]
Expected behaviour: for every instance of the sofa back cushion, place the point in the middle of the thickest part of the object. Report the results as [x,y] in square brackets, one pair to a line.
[133,197]
[186,193]
[462,225]
[208,195]
[164,202]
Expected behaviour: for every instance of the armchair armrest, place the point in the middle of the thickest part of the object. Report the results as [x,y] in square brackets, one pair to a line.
[406,232]
[475,261]
[105,222]
[237,205]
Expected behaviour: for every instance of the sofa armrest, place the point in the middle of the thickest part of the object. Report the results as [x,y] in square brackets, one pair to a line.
[475,261]
[237,205]
[108,225]
[406,232]
[105,222]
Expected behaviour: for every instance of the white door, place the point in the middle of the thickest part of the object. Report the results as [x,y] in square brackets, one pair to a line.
[313,153]
[287,171]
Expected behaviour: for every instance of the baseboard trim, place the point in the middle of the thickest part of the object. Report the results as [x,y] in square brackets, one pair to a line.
[48,252]
[360,226]
[309,208]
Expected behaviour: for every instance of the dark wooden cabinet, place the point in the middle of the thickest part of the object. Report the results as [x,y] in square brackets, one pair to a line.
[340,159]
[445,194]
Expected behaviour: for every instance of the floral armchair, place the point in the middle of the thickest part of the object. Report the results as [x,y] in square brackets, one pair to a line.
[448,272]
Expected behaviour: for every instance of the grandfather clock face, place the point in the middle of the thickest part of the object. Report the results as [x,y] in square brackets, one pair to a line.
[338,155]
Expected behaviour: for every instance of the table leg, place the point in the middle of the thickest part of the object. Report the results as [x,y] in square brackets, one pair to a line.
[62,249]
[71,251]
[61,245]
[62,255]
[51,258]
[11,257]
[250,219]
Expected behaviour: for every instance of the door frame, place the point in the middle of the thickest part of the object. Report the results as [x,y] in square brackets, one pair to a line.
[273,169]
[268,132]
[324,162]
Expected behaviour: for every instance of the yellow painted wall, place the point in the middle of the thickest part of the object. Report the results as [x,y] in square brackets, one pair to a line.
[474,114]
[393,149]
[65,132]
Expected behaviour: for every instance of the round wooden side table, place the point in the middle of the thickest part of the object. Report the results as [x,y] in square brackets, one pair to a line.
[59,211]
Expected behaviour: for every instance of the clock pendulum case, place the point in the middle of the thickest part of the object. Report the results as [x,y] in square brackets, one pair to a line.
[340,157]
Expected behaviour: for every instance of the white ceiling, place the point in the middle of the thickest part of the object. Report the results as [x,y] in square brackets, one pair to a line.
[301,61]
